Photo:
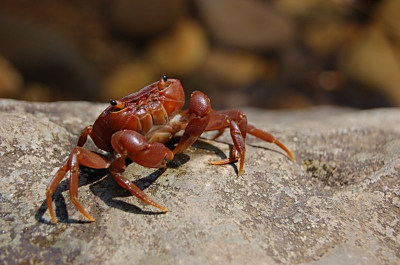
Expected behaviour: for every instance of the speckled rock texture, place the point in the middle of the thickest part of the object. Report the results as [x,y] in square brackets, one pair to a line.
[339,203]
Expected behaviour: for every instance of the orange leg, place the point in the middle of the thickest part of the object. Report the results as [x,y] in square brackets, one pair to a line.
[133,145]
[78,156]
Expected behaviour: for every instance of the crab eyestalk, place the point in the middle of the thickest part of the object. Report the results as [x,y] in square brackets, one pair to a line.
[117,103]
[162,82]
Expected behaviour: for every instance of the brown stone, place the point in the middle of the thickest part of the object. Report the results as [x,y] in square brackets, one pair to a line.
[144,18]
[246,24]
[181,51]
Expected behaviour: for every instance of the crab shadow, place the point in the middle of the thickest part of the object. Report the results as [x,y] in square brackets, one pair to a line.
[269,149]
[111,193]
[103,186]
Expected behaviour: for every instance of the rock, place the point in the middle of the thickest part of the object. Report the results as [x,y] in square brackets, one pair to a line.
[36,92]
[323,26]
[43,55]
[388,18]
[251,25]
[277,96]
[128,79]
[327,36]
[373,61]
[181,51]
[313,8]
[143,19]
[338,203]
[10,79]
[237,68]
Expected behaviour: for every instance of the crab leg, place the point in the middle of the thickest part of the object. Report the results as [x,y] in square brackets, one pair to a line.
[133,145]
[117,168]
[237,122]
[268,138]
[78,156]
[51,187]
[134,190]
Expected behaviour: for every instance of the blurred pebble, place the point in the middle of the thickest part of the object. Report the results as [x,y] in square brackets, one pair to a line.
[253,25]
[127,79]
[276,95]
[388,18]
[43,55]
[181,51]
[374,62]
[237,68]
[10,79]
[307,9]
[142,19]
[328,35]
[36,92]
[279,53]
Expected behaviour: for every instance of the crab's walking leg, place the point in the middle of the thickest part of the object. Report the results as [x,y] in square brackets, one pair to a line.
[128,185]
[199,117]
[133,145]
[268,138]
[237,122]
[51,187]
[78,156]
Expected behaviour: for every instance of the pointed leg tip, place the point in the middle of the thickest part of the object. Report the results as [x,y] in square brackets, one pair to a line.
[53,216]
[240,171]
[88,216]
[164,209]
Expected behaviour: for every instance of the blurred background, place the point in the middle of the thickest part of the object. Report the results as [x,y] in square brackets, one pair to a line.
[259,53]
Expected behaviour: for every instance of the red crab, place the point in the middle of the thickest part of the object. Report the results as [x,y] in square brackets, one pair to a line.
[135,129]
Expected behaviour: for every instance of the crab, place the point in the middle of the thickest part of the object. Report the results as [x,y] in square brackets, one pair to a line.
[135,129]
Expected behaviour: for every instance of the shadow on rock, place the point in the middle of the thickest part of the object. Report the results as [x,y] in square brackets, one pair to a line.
[269,149]
[218,152]
[106,189]
[206,146]
[86,176]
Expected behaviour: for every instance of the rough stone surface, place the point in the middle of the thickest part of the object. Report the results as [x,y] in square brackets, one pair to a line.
[339,203]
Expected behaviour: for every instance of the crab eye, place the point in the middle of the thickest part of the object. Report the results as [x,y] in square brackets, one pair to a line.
[118,104]
[161,83]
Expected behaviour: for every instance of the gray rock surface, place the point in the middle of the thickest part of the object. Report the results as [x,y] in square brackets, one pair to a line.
[339,203]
